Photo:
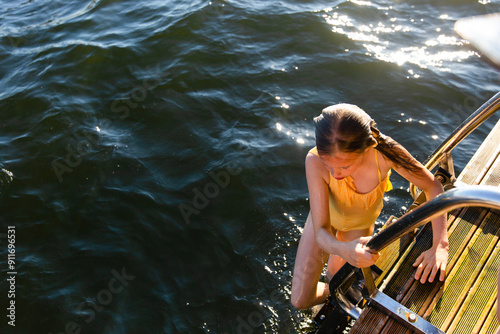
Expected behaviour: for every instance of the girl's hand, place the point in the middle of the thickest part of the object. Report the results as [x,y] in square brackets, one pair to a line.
[429,262]
[357,254]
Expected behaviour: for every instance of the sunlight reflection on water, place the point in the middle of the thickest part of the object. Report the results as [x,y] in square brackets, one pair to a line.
[385,39]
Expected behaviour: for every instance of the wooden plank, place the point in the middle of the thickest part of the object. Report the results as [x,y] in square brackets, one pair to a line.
[491,323]
[481,295]
[370,321]
[492,177]
[464,275]
[480,163]
[390,255]
[464,232]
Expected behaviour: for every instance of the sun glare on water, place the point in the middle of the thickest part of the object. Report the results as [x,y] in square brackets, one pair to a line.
[392,38]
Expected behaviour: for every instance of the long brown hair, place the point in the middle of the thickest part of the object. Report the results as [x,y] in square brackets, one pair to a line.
[349,129]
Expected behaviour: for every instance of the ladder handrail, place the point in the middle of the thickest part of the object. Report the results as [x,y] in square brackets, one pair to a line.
[465,196]
[442,154]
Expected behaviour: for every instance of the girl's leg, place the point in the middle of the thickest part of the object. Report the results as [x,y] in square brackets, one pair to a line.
[335,262]
[309,263]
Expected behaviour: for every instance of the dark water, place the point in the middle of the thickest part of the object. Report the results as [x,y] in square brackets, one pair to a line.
[157,147]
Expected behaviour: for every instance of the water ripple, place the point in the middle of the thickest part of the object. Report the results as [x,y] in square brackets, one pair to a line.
[116,114]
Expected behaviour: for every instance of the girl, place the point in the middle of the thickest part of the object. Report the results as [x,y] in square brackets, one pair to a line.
[347,174]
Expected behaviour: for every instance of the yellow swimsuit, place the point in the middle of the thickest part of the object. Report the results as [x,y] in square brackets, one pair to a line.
[350,210]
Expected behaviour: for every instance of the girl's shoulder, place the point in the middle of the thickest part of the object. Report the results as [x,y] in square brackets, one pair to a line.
[315,166]
[312,157]
[314,151]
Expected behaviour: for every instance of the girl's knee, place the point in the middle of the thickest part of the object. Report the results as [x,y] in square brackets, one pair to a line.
[299,297]
[299,302]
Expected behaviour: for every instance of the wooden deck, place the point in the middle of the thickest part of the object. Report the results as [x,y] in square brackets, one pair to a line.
[466,301]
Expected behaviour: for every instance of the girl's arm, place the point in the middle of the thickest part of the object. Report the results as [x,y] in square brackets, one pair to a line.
[435,258]
[317,182]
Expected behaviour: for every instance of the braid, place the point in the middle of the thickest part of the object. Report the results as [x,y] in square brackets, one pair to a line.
[393,150]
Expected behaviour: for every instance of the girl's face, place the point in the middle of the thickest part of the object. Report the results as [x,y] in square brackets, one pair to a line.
[341,165]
